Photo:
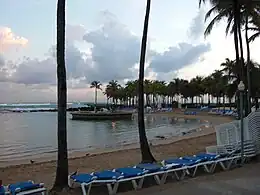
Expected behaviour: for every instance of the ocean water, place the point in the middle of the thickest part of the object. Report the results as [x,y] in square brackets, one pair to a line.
[30,135]
[39,106]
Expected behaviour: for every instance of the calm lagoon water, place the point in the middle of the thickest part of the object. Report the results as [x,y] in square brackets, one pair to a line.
[28,135]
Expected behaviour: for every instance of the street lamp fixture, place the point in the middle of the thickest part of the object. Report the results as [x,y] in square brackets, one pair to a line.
[241,88]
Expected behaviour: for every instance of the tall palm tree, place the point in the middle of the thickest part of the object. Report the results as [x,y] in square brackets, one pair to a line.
[61,180]
[97,85]
[229,9]
[144,146]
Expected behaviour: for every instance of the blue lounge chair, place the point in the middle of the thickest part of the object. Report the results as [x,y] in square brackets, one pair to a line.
[225,160]
[133,174]
[110,178]
[200,161]
[28,187]
[84,180]
[152,169]
[177,166]
[3,190]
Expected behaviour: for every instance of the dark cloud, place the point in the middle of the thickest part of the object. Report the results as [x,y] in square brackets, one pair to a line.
[3,69]
[178,57]
[34,71]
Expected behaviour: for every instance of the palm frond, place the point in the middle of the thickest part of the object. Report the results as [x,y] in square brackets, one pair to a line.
[211,11]
[254,36]
[214,21]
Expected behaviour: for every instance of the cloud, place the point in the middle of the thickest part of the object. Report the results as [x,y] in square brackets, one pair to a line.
[34,71]
[2,60]
[75,32]
[115,50]
[8,40]
[113,53]
[197,27]
[178,57]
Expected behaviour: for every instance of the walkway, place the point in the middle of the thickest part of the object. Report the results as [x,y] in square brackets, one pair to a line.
[240,181]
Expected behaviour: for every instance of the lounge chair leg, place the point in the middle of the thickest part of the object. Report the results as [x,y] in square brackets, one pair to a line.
[193,173]
[164,177]
[115,187]
[140,183]
[44,192]
[157,179]
[89,188]
[182,174]
[83,189]
[230,164]
[211,168]
[112,190]
[84,186]
[206,169]
[224,166]
[135,186]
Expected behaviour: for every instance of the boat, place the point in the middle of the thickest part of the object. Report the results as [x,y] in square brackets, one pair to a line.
[117,115]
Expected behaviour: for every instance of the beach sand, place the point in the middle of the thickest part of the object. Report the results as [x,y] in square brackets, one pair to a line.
[126,155]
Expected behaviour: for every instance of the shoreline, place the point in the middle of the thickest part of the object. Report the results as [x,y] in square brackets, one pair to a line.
[44,170]
[204,127]
[193,133]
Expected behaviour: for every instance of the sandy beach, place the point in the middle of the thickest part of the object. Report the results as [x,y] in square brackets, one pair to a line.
[118,157]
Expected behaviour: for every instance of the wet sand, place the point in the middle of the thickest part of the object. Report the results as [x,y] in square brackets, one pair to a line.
[118,157]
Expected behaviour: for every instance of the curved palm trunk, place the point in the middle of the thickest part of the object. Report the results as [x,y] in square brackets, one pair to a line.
[61,180]
[248,67]
[144,146]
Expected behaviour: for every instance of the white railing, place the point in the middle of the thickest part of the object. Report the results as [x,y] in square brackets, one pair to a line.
[230,133]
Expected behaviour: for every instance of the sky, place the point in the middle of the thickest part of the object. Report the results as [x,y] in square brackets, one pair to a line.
[103,43]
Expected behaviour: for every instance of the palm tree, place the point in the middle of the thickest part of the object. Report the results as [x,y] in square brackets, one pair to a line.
[237,12]
[97,85]
[229,9]
[221,84]
[147,156]
[61,180]
[112,90]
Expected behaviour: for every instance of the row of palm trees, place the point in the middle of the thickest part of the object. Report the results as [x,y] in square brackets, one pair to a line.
[240,14]
[220,85]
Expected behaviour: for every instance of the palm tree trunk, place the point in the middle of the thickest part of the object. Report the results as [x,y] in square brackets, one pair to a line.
[95,108]
[256,103]
[61,180]
[208,100]
[236,17]
[230,105]
[147,156]
[242,62]
[248,68]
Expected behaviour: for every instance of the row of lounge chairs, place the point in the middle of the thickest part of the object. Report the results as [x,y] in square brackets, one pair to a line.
[178,168]
[190,113]
[23,188]
[223,112]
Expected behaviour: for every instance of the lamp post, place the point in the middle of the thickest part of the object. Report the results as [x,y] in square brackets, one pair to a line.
[241,88]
